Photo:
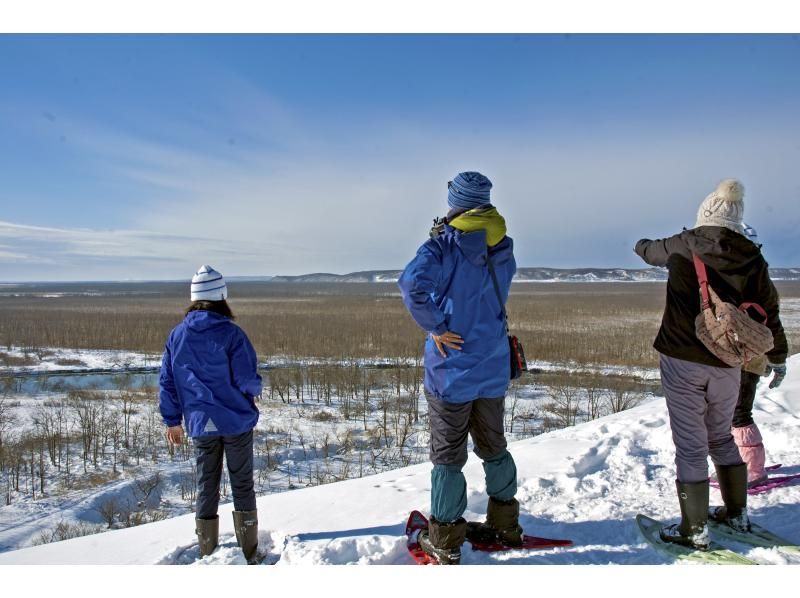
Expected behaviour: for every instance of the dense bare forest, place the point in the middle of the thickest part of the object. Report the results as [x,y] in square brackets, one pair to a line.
[605,323]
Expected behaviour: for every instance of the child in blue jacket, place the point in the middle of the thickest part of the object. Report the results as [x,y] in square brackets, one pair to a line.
[209,380]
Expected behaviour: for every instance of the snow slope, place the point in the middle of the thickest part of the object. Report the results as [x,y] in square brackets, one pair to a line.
[585,483]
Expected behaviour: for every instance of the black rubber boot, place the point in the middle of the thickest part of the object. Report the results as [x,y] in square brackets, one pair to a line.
[443,541]
[733,487]
[207,534]
[693,529]
[502,524]
[245,524]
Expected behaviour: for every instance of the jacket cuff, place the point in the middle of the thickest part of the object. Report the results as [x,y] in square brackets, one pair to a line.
[439,330]
[172,421]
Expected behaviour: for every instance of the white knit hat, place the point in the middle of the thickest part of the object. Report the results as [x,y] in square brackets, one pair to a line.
[208,285]
[723,207]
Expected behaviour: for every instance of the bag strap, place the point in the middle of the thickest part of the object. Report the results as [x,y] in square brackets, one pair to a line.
[702,278]
[761,311]
[497,290]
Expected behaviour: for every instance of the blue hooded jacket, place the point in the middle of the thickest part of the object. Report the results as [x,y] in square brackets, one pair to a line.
[447,286]
[209,377]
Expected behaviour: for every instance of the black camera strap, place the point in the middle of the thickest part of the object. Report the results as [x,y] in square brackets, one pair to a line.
[497,290]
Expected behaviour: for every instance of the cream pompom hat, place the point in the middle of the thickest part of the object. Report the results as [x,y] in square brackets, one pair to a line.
[724,207]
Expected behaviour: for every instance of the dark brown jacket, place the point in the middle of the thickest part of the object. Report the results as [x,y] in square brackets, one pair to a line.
[736,270]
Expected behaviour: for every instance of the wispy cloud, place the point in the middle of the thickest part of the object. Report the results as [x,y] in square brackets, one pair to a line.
[258,189]
[29,251]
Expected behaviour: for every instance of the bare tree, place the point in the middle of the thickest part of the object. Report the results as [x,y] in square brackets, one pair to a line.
[280,382]
[86,414]
[565,405]
[46,425]
[623,396]
[145,487]
[136,433]
[128,411]
[65,530]
[110,509]
[512,401]
[595,397]
[8,420]
[116,429]
[528,415]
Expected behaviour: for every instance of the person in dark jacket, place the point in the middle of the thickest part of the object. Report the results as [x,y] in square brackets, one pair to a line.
[209,381]
[701,391]
[449,292]
[744,429]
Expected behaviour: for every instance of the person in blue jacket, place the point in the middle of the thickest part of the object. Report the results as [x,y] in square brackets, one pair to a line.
[209,380]
[449,292]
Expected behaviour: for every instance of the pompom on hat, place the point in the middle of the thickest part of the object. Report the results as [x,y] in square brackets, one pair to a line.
[208,285]
[724,207]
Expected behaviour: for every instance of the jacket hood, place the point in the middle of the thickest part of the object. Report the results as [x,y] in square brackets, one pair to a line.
[473,246]
[203,320]
[478,232]
[721,248]
[484,218]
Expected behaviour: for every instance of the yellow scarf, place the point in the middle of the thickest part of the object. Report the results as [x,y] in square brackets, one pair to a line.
[477,219]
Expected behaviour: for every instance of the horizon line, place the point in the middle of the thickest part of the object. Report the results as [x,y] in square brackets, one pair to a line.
[270,277]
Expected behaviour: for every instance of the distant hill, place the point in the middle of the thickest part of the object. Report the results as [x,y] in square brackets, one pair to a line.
[531,275]
[365,276]
[523,275]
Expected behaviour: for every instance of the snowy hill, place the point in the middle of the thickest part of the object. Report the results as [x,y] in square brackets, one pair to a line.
[585,483]
[530,275]
[522,275]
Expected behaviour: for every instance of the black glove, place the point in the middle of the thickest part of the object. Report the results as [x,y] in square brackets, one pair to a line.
[780,373]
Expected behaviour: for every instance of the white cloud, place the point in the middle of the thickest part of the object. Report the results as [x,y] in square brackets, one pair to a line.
[260,191]
[569,201]
[115,254]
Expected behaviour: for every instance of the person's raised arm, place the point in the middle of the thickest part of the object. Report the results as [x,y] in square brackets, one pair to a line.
[656,252]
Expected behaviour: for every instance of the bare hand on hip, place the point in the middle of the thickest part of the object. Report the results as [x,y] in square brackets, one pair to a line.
[447,339]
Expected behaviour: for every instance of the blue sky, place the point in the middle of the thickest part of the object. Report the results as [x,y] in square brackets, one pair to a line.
[142,157]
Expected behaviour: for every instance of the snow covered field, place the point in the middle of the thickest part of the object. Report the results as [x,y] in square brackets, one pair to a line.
[585,483]
[55,359]
[19,361]
[790,313]
[304,438]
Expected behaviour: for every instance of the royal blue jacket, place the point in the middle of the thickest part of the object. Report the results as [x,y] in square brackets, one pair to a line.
[209,377]
[447,286]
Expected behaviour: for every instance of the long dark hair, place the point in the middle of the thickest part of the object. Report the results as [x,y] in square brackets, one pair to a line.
[218,307]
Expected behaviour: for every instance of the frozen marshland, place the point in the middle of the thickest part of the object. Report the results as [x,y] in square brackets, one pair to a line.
[585,482]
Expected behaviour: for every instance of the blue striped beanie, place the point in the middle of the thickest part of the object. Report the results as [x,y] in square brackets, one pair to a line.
[208,285]
[468,190]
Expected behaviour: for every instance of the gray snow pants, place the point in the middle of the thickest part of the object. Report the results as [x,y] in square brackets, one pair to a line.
[451,423]
[238,452]
[700,400]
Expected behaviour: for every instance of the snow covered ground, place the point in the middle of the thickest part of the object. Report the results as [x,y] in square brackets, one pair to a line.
[790,313]
[585,483]
[74,360]
[55,359]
